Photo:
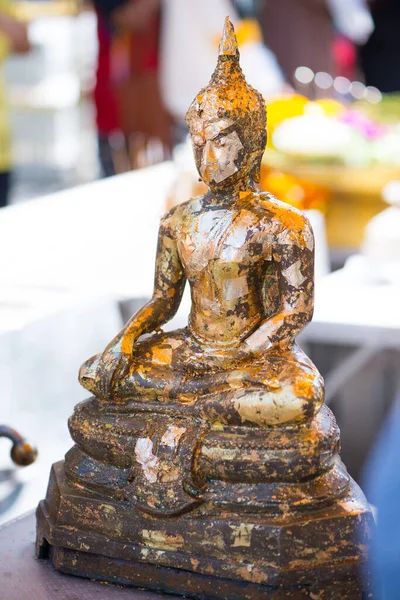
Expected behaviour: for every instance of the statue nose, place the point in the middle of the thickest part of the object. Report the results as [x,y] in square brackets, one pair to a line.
[209,154]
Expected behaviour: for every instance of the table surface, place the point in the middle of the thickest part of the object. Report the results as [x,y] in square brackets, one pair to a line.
[23,577]
[96,238]
[353,307]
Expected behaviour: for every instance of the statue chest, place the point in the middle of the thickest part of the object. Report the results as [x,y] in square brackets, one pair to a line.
[224,244]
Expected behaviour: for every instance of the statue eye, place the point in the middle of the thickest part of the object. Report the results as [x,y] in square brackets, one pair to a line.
[220,140]
[197,141]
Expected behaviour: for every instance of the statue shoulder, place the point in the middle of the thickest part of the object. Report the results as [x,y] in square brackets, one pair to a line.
[288,222]
[283,214]
[177,214]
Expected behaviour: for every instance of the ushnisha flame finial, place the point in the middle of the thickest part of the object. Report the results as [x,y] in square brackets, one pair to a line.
[228,45]
[228,95]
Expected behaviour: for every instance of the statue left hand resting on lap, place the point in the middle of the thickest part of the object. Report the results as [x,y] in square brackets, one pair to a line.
[249,261]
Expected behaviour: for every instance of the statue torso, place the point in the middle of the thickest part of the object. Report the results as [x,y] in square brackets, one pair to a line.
[226,253]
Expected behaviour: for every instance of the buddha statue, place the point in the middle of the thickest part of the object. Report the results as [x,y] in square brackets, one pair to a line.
[206,463]
[249,262]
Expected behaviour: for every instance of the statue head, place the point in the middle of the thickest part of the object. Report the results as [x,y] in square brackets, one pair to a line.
[227,121]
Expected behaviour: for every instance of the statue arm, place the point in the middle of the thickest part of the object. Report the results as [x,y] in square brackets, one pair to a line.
[169,284]
[294,255]
[168,289]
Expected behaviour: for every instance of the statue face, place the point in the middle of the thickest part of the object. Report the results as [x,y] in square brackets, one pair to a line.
[218,151]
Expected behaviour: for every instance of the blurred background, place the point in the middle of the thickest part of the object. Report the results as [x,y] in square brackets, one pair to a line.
[93,149]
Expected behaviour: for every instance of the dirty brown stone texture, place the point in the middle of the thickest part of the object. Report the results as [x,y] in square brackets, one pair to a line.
[206,463]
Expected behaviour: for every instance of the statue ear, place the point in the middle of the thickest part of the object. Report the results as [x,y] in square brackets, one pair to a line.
[256,159]
[256,166]
[257,174]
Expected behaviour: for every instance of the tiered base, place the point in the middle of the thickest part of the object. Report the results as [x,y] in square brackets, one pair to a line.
[338,583]
[205,553]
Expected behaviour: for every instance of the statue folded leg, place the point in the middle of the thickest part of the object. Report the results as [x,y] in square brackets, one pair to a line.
[266,389]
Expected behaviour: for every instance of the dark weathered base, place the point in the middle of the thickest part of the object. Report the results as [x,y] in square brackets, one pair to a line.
[336,583]
[318,555]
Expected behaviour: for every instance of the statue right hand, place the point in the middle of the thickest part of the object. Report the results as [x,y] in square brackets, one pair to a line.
[114,363]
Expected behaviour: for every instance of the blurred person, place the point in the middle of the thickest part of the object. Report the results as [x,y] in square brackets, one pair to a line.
[353,23]
[380,56]
[109,133]
[191,32]
[130,113]
[345,55]
[13,38]
[247,8]
[300,33]
[383,491]
[311,28]
[352,19]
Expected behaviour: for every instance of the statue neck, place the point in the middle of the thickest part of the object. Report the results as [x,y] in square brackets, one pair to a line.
[230,195]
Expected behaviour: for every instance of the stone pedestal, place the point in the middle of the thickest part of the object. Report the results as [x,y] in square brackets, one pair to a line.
[171,502]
